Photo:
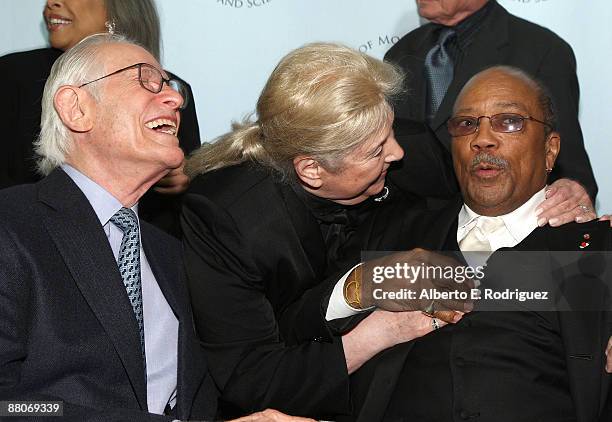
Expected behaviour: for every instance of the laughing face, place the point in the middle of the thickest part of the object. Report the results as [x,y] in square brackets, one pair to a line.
[498,172]
[135,129]
[69,21]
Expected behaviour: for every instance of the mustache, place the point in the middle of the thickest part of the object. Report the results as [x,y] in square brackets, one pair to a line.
[487,158]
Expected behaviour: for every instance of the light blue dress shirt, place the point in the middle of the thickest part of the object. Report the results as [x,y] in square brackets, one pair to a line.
[160,322]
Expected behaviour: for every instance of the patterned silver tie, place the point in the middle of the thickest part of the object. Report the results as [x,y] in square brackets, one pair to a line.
[438,71]
[129,264]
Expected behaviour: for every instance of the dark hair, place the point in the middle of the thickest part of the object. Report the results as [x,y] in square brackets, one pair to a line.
[138,21]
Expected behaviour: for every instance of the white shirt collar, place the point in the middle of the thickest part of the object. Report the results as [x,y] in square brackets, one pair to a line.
[519,223]
[104,204]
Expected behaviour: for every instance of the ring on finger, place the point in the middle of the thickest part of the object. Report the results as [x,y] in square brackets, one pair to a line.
[434,324]
[584,208]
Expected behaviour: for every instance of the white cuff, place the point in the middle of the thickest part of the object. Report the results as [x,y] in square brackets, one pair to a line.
[337,307]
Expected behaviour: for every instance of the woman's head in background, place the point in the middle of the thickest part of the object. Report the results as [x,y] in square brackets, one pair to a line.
[69,21]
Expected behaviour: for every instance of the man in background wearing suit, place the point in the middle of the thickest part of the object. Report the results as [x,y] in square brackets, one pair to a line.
[504,366]
[463,38]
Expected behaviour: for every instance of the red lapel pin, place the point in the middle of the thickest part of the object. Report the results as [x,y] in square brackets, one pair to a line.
[584,244]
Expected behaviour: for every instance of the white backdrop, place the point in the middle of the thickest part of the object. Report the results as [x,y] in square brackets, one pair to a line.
[226,49]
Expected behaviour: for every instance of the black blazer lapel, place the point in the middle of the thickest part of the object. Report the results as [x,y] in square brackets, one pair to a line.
[80,239]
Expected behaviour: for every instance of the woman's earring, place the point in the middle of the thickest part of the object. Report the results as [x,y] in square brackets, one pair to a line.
[110,27]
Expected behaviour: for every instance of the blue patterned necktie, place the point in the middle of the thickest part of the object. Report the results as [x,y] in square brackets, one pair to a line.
[129,264]
[438,71]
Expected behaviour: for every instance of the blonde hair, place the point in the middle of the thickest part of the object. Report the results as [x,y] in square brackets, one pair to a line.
[322,100]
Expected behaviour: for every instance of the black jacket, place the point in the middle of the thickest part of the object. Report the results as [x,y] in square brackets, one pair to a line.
[584,333]
[255,263]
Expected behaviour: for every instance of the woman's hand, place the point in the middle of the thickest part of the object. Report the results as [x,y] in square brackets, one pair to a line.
[566,201]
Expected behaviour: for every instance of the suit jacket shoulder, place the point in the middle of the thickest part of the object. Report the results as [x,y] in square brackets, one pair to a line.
[16,199]
[232,184]
[411,43]
[247,198]
[538,34]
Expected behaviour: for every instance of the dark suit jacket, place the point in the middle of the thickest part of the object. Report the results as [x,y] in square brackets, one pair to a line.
[255,262]
[24,75]
[503,39]
[67,329]
[584,333]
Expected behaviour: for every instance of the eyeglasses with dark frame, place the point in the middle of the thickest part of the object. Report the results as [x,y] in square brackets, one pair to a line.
[501,123]
[152,80]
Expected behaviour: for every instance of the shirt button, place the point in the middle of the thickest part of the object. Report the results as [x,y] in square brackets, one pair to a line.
[318,339]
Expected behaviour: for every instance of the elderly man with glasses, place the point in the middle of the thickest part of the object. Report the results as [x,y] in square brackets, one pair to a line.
[509,359]
[94,321]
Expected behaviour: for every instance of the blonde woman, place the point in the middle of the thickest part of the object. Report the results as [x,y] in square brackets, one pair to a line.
[275,206]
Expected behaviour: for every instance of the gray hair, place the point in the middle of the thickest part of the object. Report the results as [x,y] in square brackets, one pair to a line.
[137,20]
[74,67]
